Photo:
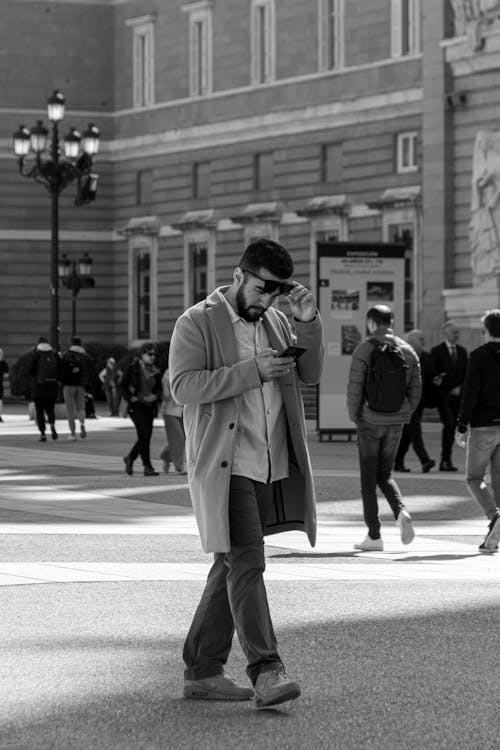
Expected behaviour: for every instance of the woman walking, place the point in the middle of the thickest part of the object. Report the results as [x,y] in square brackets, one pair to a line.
[141,388]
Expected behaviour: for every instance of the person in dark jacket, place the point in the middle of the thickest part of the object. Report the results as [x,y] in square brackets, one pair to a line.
[412,430]
[141,388]
[480,408]
[44,393]
[379,433]
[4,369]
[449,362]
[75,377]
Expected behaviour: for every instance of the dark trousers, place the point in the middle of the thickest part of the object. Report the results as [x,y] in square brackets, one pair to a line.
[377,446]
[235,595]
[142,416]
[412,435]
[44,406]
[448,413]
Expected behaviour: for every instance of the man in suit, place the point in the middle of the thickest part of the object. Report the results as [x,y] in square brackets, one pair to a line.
[449,363]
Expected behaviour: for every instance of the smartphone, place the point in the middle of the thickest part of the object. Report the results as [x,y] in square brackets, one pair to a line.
[292,351]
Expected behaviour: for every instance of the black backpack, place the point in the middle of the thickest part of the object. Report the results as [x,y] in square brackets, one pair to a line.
[386,383]
[48,368]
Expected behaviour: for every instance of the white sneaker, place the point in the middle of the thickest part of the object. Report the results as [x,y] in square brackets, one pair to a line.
[370,545]
[71,437]
[405,527]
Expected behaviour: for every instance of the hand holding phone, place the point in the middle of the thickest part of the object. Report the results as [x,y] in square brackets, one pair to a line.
[292,351]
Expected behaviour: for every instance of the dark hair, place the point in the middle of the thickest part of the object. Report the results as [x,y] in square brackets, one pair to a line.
[264,253]
[381,315]
[148,346]
[491,321]
[76,341]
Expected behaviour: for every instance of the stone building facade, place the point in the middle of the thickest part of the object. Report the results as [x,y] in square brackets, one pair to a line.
[222,120]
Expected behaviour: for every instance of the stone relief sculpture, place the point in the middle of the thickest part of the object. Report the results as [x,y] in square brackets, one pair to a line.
[472,18]
[484,232]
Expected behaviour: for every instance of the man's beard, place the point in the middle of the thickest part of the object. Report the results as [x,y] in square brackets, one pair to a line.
[251,313]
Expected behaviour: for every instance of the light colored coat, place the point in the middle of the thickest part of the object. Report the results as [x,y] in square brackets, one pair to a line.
[207,376]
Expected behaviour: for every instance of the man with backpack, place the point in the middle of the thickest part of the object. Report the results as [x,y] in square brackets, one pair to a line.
[75,375]
[44,371]
[383,390]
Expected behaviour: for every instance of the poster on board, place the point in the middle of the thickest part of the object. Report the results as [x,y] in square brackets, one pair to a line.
[352,277]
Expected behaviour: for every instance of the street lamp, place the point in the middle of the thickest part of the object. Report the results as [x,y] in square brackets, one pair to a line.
[56,172]
[76,275]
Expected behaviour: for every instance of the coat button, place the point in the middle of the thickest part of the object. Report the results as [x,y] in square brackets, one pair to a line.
[231,426]
[224,464]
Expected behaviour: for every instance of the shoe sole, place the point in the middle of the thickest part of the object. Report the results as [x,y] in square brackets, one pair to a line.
[200,695]
[368,549]
[407,530]
[289,695]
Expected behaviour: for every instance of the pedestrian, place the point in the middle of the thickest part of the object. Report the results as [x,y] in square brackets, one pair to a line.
[480,409]
[412,430]
[110,379]
[172,414]
[449,363]
[4,369]
[141,388]
[379,411]
[75,378]
[45,373]
[248,464]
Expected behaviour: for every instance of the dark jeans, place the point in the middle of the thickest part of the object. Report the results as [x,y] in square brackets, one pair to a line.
[377,446]
[448,413]
[142,416]
[235,595]
[45,406]
[412,434]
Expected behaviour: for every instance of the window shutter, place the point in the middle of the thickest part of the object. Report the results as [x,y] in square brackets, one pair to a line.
[396,30]
[137,71]
[204,57]
[322,35]
[149,67]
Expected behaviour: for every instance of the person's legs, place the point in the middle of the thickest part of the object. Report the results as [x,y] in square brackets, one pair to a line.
[389,441]
[40,414]
[482,445]
[368,450]
[50,410]
[142,417]
[235,595]
[80,408]
[448,412]
[403,446]
[495,469]
[416,437]
[174,428]
[69,400]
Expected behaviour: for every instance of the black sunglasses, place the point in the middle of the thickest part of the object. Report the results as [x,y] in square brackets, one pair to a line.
[270,285]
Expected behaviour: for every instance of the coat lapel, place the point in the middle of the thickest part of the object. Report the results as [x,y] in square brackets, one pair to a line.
[222,328]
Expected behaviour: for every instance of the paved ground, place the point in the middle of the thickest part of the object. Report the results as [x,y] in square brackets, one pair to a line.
[100,574]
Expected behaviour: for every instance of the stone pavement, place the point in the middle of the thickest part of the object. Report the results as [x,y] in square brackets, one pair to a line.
[100,573]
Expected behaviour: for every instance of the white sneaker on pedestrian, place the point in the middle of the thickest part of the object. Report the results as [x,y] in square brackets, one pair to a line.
[274,687]
[71,437]
[405,527]
[370,545]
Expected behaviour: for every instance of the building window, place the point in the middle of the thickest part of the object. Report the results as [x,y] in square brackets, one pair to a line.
[264,171]
[405,234]
[263,41]
[201,179]
[143,60]
[144,187]
[405,26]
[406,152]
[330,162]
[331,34]
[143,291]
[200,47]
[198,271]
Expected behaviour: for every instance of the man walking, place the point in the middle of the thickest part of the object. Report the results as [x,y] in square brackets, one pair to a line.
[44,371]
[75,375]
[248,464]
[449,363]
[412,431]
[379,402]
[480,409]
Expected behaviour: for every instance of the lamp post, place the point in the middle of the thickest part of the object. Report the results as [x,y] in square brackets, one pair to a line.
[76,275]
[56,172]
